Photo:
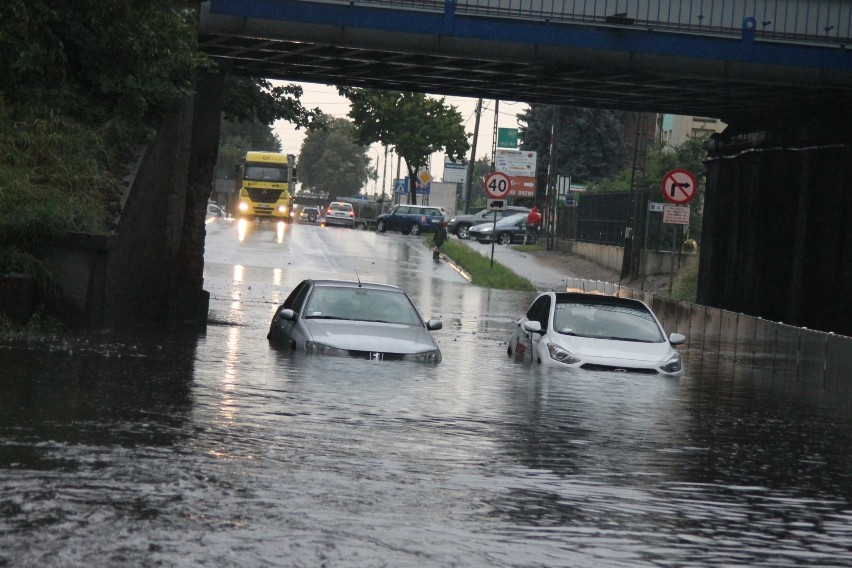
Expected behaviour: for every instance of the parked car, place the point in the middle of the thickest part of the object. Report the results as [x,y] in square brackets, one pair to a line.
[413,219]
[340,213]
[595,332]
[460,224]
[354,319]
[213,212]
[508,230]
[310,215]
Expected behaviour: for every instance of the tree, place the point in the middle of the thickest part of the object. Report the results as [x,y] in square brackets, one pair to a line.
[332,162]
[415,125]
[481,168]
[236,138]
[255,100]
[589,144]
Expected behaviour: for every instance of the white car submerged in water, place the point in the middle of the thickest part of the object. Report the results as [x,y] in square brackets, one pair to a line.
[595,332]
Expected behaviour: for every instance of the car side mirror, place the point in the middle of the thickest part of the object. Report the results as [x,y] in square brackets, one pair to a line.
[677,338]
[287,314]
[434,325]
[532,326]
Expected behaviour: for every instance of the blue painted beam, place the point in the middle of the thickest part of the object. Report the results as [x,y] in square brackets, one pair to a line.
[543,33]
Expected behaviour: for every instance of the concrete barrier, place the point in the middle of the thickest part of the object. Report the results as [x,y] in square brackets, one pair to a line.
[813,359]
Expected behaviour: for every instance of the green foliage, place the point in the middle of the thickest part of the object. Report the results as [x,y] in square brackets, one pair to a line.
[589,144]
[332,162]
[237,138]
[414,124]
[480,269]
[100,60]
[689,156]
[53,177]
[256,101]
[685,285]
[481,168]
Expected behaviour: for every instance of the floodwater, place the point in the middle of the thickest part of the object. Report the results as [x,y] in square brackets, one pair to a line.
[166,450]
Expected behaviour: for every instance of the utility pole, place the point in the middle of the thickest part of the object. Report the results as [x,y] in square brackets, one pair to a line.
[494,139]
[472,161]
[550,189]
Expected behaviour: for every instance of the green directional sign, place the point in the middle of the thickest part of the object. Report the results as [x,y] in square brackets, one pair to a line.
[507,137]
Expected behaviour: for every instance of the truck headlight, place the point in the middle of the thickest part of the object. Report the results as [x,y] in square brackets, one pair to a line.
[282,209]
[243,206]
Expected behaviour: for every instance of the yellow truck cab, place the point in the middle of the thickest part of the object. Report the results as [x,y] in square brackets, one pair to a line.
[264,180]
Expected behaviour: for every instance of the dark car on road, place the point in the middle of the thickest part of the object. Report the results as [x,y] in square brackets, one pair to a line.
[509,230]
[460,224]
[411,219]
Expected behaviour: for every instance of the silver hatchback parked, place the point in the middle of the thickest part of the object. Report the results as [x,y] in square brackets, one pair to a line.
[340,213]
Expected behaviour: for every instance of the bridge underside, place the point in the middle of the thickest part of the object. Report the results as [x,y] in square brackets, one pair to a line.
[615,67]
[775,237]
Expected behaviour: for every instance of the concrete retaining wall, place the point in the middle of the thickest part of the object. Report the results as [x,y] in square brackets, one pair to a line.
[611,256]
[819,359]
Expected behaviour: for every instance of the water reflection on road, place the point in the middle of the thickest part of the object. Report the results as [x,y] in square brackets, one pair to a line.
[161,450]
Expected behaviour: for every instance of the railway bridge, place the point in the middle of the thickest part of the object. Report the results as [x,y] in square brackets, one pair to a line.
[775,241]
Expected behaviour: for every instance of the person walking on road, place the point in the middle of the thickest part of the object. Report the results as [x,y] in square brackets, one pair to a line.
[439,240]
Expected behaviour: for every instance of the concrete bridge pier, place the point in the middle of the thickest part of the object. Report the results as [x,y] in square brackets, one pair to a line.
[148,273]
[777,237]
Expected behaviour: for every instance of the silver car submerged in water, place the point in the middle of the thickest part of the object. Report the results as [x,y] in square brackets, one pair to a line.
[365,320]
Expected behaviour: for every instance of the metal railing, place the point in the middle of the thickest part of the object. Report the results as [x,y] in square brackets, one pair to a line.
[810,21]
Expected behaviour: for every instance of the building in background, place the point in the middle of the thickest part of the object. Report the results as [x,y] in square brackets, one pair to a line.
[677,129]
[639,130]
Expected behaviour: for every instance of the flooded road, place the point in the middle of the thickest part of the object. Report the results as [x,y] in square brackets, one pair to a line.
[162,450]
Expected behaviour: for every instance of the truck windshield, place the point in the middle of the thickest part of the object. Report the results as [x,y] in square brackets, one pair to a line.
[265,173]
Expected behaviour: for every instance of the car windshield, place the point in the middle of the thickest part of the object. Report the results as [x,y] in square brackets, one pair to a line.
[625,323]
[340,207]
[265,173]
[361,304]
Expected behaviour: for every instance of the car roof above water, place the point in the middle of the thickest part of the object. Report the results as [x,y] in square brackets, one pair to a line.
[355,284]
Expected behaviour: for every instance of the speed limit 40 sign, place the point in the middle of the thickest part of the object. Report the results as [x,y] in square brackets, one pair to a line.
[497,185]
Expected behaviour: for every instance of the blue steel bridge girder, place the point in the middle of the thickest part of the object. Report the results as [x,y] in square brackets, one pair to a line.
[374,43]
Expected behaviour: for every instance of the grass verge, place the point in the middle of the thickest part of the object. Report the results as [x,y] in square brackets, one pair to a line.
[480,269]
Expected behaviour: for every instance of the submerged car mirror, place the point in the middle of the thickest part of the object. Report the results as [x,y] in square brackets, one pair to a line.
[677,338]
[434,325]
[287,314]
[532,326]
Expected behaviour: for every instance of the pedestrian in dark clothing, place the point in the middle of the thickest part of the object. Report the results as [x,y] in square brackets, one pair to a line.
[439,239]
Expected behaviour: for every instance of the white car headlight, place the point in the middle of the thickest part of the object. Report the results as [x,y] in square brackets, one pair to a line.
[673,365]
[322,349]
[559,354]
[425,357]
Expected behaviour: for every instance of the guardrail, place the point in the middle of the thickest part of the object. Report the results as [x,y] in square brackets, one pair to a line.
[823,359]
[811,21]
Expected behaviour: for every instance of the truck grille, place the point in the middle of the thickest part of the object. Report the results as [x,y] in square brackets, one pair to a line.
[259,195]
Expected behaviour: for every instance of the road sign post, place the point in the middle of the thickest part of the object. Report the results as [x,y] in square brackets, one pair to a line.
[679,186]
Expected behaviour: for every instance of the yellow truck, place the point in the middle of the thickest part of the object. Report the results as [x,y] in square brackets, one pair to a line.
[263,185]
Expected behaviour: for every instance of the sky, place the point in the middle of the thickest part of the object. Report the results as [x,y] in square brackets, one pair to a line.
[325,97]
